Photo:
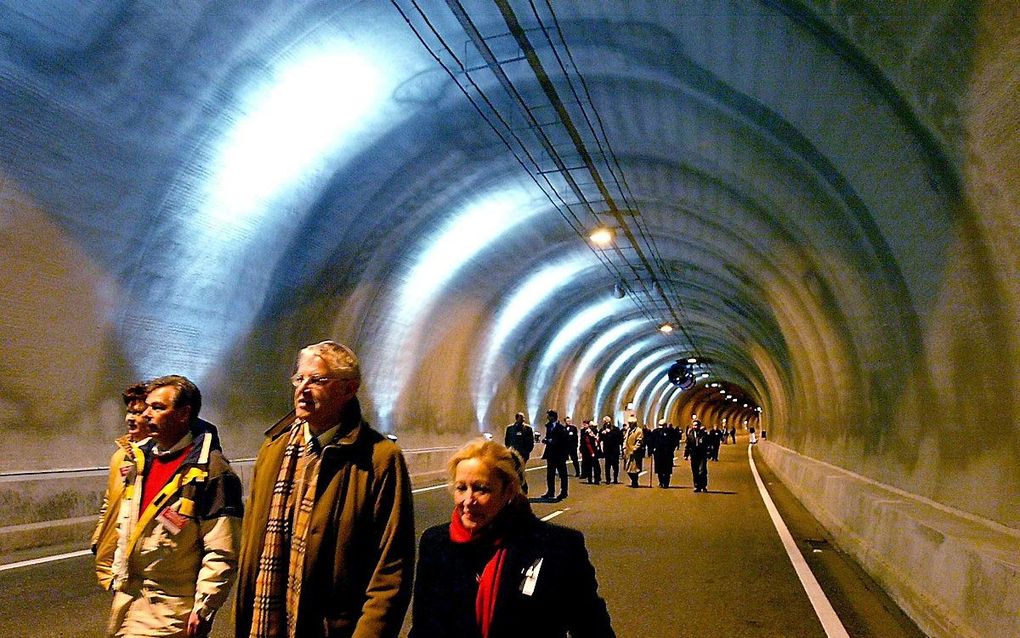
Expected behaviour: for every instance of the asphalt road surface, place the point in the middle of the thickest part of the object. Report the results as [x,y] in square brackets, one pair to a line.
[670,563]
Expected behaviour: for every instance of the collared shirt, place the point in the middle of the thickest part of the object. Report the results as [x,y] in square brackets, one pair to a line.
[323,439]
[177,447]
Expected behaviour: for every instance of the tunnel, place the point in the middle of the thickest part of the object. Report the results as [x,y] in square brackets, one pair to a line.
[811,206]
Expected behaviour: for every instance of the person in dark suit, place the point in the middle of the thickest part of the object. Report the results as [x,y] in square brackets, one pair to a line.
[520,437]
[697,450]
[495,570]
[555,456]
[573,441]
[665,440]
[612,446]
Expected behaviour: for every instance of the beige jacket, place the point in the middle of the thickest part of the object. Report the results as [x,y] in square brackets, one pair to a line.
[104,538]
[180,554]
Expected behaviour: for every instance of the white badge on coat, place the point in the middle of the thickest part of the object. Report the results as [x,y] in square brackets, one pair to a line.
[531,577]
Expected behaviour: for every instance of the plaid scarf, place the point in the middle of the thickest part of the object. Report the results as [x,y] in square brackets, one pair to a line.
[283,553]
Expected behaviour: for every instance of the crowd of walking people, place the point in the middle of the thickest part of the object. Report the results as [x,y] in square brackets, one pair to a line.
[601,447]
[325,543]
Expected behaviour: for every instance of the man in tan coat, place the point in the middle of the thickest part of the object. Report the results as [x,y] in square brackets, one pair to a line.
[104,539]
[179,522]
[328,540]
[633,449]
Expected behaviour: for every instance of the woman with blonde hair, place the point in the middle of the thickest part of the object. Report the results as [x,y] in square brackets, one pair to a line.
[496,570]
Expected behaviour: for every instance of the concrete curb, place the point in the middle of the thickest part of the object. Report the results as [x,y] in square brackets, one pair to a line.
[956,575]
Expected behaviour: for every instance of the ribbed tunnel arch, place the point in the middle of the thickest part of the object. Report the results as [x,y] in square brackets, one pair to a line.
[819,197]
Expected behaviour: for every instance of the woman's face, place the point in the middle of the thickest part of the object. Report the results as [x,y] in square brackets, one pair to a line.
[478,493]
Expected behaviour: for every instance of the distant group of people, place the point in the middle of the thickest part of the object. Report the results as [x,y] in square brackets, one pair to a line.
[608,443]
[325,544]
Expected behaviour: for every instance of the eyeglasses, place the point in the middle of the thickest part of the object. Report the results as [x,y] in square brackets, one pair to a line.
[314,381]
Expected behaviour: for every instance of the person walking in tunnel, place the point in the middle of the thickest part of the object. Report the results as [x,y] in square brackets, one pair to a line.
[591,452]
[611,440]
[555,456]
[697,450]
[573,441]
[180,521]
[328,542]
[715,437]
[667,439]
[104,538]
[633,449]
[520,437]
[495,569]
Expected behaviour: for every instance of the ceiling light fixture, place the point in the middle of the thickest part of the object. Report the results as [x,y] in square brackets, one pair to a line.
[666,328]
[601,236]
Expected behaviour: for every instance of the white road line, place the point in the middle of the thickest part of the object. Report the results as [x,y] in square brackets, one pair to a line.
[553,515]
[429,488]
[44,559]
[831,623]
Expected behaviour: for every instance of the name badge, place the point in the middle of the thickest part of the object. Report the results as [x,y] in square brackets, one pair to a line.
[172,520]
[531,578]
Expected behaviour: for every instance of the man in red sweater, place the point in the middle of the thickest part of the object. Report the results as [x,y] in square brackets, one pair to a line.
[179,526]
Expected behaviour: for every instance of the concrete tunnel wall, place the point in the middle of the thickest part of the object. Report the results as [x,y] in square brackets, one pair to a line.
[837,221]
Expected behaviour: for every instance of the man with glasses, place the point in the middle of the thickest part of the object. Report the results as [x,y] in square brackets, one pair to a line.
[328,541]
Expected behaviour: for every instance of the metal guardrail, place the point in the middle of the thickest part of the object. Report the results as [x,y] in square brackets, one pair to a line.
[81,472]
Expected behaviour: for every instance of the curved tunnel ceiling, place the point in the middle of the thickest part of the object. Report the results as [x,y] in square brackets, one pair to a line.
[418,179]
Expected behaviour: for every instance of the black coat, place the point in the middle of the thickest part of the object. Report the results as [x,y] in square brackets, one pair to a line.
[565,596]
[557,444]
[665,441]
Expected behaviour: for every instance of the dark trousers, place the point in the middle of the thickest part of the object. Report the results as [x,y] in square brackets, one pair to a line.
[590,469]
[699,471]
[573,459]
[551,469]
[612,469]
[524,475]
[664,470]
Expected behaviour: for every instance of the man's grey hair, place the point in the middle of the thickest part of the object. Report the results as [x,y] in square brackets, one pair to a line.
[340,359]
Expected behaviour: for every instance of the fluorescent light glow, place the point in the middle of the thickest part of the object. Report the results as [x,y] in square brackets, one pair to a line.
[281,141]
[613,368]
[667,328]
[578,326]
[440,258]
[307,111]
[651,413]
[655,358]
[523,302]
[467,234]
[592,352]
[671,402]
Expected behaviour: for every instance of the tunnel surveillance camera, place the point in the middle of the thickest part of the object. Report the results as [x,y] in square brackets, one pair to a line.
[680,374]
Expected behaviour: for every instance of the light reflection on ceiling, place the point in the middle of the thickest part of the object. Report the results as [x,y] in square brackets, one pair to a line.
[439,260]
[522,303]
[591,355]
[576,327]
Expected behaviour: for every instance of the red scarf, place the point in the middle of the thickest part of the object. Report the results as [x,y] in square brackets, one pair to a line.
[495,534]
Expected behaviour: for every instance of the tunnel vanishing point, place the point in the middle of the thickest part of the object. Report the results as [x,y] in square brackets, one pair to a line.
[821,199]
